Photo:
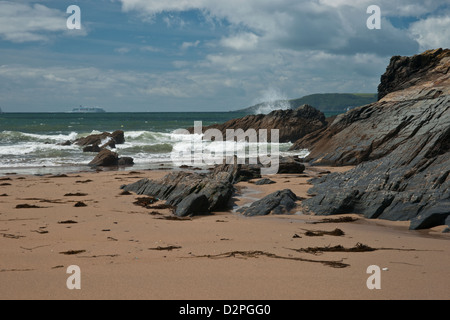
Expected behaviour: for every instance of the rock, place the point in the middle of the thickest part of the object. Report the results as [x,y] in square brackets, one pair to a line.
[194,204]
[239,172]
[96,139]
[93,148]
[125,161]
[292,124]
[118,136]
[290,165]
[400,146]
[107,158]
[280,202]
[264,182]
[67,143]
[186,189]
[111,144]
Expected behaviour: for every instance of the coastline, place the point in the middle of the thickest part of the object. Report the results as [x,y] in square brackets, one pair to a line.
[131,252]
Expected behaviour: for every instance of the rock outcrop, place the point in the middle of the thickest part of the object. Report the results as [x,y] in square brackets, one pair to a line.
[118,137]
[279,202]
[191,193]
[292,124]
[107,158]
[400,146]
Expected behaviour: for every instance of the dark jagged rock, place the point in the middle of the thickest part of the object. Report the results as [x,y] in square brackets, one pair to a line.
[93,148]
[194,204]
[290,165]
[67,143]
[107,158]
[186,189]
[279,202]
[292,124]
[96,139]
[125,161]
[264,182]
[400,145]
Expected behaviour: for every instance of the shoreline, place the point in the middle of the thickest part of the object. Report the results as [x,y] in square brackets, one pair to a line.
[220,256]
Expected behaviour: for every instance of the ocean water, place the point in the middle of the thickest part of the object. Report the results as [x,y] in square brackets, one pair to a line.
[30,142]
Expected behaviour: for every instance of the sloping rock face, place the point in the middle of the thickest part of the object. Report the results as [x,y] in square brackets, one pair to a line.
[400,145]
[293,124]
[279,202]
[191,193]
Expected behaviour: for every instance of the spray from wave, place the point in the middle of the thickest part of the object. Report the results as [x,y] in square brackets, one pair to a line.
[272,99]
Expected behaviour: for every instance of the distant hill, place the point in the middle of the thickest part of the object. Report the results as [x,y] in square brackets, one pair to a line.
[325,102]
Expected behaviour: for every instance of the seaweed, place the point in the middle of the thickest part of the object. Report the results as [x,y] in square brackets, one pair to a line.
[27,206]
[320,233]
[257,254]
[335,220]
[145,202]
[359,247]
[72,252]
[168,248]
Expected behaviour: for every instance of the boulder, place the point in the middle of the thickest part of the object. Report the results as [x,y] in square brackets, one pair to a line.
[188,191]
[264,182]
[291,165]
[279,202]
[93,148]
[107,158]
[125,161]
[96,139]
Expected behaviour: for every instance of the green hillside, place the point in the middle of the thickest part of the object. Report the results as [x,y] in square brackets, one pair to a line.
[325,102]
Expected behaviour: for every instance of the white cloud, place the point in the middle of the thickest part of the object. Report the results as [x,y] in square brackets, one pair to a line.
[241,42]
[20,22]
[150,49]
[432,33]
[328,25]
[122,50]
[187,45]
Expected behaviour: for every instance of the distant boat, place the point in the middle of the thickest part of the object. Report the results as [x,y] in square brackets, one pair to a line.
[82,109]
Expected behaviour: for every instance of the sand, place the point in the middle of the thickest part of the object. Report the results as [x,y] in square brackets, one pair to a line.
[126,251]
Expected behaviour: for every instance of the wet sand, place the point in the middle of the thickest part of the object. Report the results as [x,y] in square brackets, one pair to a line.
[127,251]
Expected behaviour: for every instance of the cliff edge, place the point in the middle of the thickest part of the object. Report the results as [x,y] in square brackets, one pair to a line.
[399,144]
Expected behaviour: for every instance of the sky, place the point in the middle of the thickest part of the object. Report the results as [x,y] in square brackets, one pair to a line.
[203,55]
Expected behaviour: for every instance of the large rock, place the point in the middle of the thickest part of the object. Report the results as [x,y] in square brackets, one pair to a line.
[188,191]
[118,137]
[107,158]
[279,202]
[400,145]
[292,124]
[290,165]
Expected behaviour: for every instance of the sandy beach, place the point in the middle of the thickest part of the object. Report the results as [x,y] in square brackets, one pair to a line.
[126,251]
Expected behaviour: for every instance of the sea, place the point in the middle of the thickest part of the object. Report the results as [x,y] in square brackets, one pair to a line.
[30,143]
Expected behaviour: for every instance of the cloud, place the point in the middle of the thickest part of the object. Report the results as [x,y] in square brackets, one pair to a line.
[241,42]
[150,49]
[432,33]
[122,50]
[328,25]
[187,45]
[21,22]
